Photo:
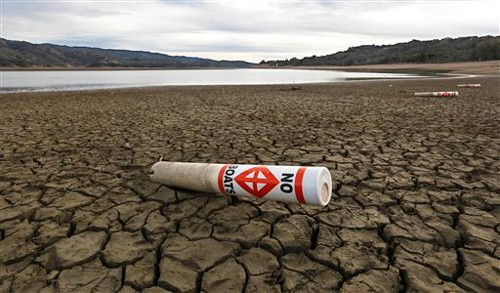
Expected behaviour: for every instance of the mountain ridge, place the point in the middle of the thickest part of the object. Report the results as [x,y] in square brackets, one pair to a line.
[446,50]
[22,54]
[26,55]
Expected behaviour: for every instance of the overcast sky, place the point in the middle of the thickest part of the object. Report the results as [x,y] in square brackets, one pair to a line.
[244,30]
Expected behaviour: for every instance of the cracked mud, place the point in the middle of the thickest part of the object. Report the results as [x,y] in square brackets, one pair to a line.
[416,181]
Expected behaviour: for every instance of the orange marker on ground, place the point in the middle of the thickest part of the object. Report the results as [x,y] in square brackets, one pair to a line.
[437,94]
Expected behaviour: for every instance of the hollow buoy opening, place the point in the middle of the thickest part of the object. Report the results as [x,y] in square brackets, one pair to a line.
[324,193]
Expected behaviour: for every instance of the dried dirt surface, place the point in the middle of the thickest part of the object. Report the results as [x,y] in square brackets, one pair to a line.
[416,181]
[478,67]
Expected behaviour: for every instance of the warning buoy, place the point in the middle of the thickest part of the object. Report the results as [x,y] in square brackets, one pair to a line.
[469,85]
[296,184]
[437,94]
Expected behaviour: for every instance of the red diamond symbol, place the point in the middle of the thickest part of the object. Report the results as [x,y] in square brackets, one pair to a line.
[257,181]
[445,94]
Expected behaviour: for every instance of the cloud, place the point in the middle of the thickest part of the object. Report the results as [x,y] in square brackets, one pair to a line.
[251,30]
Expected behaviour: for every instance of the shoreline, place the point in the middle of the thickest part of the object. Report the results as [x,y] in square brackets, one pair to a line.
[485,67]
[477,67]
[428,71]
[434,76]
[284,85]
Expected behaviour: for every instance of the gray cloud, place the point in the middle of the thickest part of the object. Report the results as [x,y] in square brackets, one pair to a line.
[251,30]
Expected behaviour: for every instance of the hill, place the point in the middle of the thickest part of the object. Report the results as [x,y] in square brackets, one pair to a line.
[25,54]
[433,51]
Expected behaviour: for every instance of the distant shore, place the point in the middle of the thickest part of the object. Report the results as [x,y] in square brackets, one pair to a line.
[480,67]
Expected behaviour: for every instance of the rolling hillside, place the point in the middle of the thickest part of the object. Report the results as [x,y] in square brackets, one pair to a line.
[24,54]
[433,51]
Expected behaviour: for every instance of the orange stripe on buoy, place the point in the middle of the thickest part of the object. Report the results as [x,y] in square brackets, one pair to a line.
[298,185]
[221,179]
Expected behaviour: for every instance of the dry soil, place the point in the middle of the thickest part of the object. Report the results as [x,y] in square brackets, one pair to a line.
[416,181]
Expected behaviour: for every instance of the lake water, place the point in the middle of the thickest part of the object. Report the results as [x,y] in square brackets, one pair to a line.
[97,79]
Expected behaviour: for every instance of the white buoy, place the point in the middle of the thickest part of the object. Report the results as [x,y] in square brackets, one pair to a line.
[437,94]
[296,184]
[469,85]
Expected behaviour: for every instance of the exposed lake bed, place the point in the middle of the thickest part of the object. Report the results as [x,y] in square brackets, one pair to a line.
[414,178]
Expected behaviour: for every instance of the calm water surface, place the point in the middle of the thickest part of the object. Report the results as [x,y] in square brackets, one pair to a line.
[97,79]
